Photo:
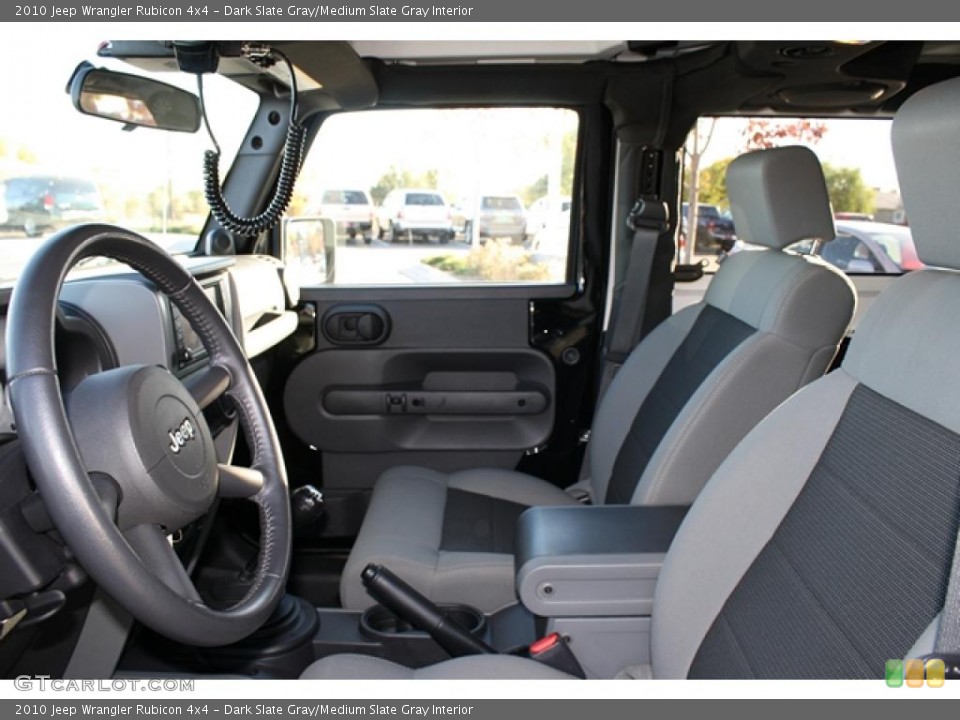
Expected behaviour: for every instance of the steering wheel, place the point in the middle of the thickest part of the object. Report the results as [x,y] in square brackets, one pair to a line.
[127,458]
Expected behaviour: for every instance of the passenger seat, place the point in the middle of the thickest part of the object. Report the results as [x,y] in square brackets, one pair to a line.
[689,392]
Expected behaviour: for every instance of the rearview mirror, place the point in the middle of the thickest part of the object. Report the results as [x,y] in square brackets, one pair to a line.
[133,100]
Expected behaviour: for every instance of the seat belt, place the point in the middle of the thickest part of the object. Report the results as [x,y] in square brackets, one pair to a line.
[648,219]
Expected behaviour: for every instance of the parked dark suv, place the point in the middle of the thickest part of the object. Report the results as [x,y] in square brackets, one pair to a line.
[43,203]
[715,231]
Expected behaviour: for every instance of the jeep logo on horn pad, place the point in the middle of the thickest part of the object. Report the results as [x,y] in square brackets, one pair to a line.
[181,435]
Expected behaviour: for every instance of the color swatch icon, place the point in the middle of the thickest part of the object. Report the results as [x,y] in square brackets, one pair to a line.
[893,672]
[936,673]
[913,673]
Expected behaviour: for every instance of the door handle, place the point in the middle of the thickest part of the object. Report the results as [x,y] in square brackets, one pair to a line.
[356,325]
[435,402]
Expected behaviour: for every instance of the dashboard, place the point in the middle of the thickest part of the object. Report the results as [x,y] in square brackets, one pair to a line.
[189,348]
[143,326]
[113,317]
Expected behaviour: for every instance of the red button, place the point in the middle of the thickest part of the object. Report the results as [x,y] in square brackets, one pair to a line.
[544,643]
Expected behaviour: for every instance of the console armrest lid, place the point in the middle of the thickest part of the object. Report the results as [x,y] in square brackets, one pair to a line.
[592,561]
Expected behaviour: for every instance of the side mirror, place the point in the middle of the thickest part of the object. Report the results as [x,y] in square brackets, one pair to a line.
[133,100]
[309,249]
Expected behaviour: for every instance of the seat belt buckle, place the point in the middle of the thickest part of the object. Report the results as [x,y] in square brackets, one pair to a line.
[554,651]
[649,214]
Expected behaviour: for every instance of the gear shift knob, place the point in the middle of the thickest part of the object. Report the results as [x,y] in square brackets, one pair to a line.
[306,507]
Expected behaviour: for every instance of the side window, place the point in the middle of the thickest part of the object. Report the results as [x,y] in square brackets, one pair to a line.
[873,230]
[438,197]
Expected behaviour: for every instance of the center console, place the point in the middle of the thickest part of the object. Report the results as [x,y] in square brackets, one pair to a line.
[591,571]
[587,573]
[409,629]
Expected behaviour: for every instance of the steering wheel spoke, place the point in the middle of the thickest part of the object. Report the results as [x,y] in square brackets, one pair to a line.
[238,482]
[153,547]
[208,385]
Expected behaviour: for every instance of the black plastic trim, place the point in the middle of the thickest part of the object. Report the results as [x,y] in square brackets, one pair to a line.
[596,530]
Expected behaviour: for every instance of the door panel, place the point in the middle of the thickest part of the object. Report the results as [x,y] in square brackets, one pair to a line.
[444,399]
[454,385]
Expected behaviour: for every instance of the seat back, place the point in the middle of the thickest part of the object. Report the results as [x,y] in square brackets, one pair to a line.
[822,546]
[769,323]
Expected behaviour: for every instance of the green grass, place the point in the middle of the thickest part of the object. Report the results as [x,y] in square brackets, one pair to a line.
[456,264]
[497,261]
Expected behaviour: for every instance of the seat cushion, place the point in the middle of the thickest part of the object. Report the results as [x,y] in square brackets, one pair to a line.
[473,667]
[449,536]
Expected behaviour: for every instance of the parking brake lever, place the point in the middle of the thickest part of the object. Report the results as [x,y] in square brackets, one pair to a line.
[406,603]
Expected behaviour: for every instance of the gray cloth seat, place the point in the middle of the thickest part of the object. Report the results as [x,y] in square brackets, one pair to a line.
[822,546]
[769,324]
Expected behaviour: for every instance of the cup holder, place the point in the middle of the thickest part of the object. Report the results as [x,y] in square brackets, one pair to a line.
[379,623]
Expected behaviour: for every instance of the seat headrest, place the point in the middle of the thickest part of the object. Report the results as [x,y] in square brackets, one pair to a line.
[779,196]
[926,150]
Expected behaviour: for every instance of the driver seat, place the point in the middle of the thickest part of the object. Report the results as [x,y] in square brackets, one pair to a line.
[823,545]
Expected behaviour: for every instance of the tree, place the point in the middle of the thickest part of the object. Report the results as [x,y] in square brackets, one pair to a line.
[763,133]
[540,187]
[393,179]
[697,143]
[26,155]
[568,146]
[132,205]
[713,183]
[300,203]
[158,202]
[847,189]
[534,191]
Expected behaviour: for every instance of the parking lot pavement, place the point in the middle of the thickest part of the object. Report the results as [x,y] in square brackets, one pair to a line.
[15,251]
[381,263]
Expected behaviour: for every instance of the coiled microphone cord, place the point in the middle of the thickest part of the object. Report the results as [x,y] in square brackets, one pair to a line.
[289,168]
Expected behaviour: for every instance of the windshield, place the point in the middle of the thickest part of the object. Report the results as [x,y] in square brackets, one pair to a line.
[59,167]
